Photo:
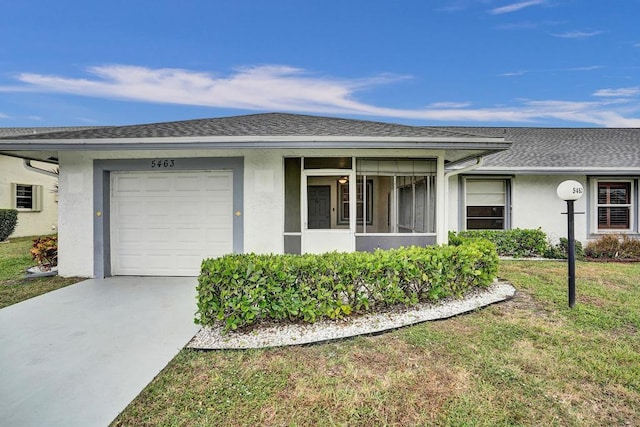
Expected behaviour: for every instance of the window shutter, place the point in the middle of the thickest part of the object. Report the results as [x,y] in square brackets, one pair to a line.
[14,195]
[37,198]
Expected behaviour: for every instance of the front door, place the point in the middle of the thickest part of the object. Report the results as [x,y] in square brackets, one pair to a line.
[319,206]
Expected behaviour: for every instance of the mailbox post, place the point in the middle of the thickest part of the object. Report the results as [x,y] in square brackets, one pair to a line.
[570,191]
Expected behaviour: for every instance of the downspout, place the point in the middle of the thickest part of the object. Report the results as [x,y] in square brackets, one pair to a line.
[479,162]
[447,175]
[29,166]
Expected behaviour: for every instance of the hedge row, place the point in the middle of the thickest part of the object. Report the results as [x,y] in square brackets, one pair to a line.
[8,221]
[516,243]
[614,247]
[241,290]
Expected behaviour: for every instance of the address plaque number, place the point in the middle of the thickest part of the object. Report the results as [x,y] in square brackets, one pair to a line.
[163,163]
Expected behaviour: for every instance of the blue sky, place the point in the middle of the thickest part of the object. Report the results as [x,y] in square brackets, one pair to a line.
[567,63]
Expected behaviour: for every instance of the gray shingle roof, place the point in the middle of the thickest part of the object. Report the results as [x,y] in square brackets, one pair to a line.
[267,124]
[12,132]
[533,148]
[563,147]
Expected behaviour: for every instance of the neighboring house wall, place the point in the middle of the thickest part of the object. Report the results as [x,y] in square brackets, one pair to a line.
[531,202]
[44,218]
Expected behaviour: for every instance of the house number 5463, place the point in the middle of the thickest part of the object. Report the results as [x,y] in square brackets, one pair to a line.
[166,163]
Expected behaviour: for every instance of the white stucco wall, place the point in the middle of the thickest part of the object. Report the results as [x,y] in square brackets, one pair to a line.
[75,225]
[12,170]
[263,215]
[263,201]
[535,204]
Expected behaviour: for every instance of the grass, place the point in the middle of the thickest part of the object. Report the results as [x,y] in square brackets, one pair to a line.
[528,361]
[14,287]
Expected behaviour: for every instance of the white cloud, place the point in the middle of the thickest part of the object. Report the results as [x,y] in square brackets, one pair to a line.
[519,26]
[513,74]
[587,68]
[449,105]
[272,87]
[624,92]
[455,6]
[285,88]
[523,72]
[515,7]
[578,34]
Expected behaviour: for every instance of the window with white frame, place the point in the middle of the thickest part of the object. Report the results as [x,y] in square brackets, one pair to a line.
[27,197]
[614,205]
[343,201]
[485,204]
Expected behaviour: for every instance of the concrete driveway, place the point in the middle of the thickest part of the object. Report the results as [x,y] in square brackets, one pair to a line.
[77,356]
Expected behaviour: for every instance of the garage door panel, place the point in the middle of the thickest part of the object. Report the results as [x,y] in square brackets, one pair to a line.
[129,260]
[126,235]
[159,235]
[129,208]
[127,184]
[217,209]
[189,237]
[172,221]
[188,184]
[159,184]
[160,262]
[217,236]
[218,182]
[186,262]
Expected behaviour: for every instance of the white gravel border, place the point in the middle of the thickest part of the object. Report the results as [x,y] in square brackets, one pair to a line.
[212,338]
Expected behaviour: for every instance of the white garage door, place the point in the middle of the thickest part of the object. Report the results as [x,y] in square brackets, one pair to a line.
[166,223]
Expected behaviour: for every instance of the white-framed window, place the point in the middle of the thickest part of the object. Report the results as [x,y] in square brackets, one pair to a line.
[343,201]
[27,197]
[486,204]
[614,205]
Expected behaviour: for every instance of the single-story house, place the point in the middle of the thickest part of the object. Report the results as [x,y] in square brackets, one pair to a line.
[156,199]
[30,187]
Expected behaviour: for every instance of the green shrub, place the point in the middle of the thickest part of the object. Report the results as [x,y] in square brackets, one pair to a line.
[613,246]
[561,250]
[241,290]
[516,243]
[8,221]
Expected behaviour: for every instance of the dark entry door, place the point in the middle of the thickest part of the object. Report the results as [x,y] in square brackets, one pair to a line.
[319,206]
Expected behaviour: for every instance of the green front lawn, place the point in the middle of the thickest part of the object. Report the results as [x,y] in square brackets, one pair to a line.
[14,287]
[529,361]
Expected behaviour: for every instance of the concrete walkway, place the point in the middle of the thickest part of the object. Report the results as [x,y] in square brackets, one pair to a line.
[77,356]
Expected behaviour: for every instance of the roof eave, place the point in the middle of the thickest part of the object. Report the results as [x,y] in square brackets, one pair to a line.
[273,142]
[595,170]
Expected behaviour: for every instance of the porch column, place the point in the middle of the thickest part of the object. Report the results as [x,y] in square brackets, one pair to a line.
[441,203]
